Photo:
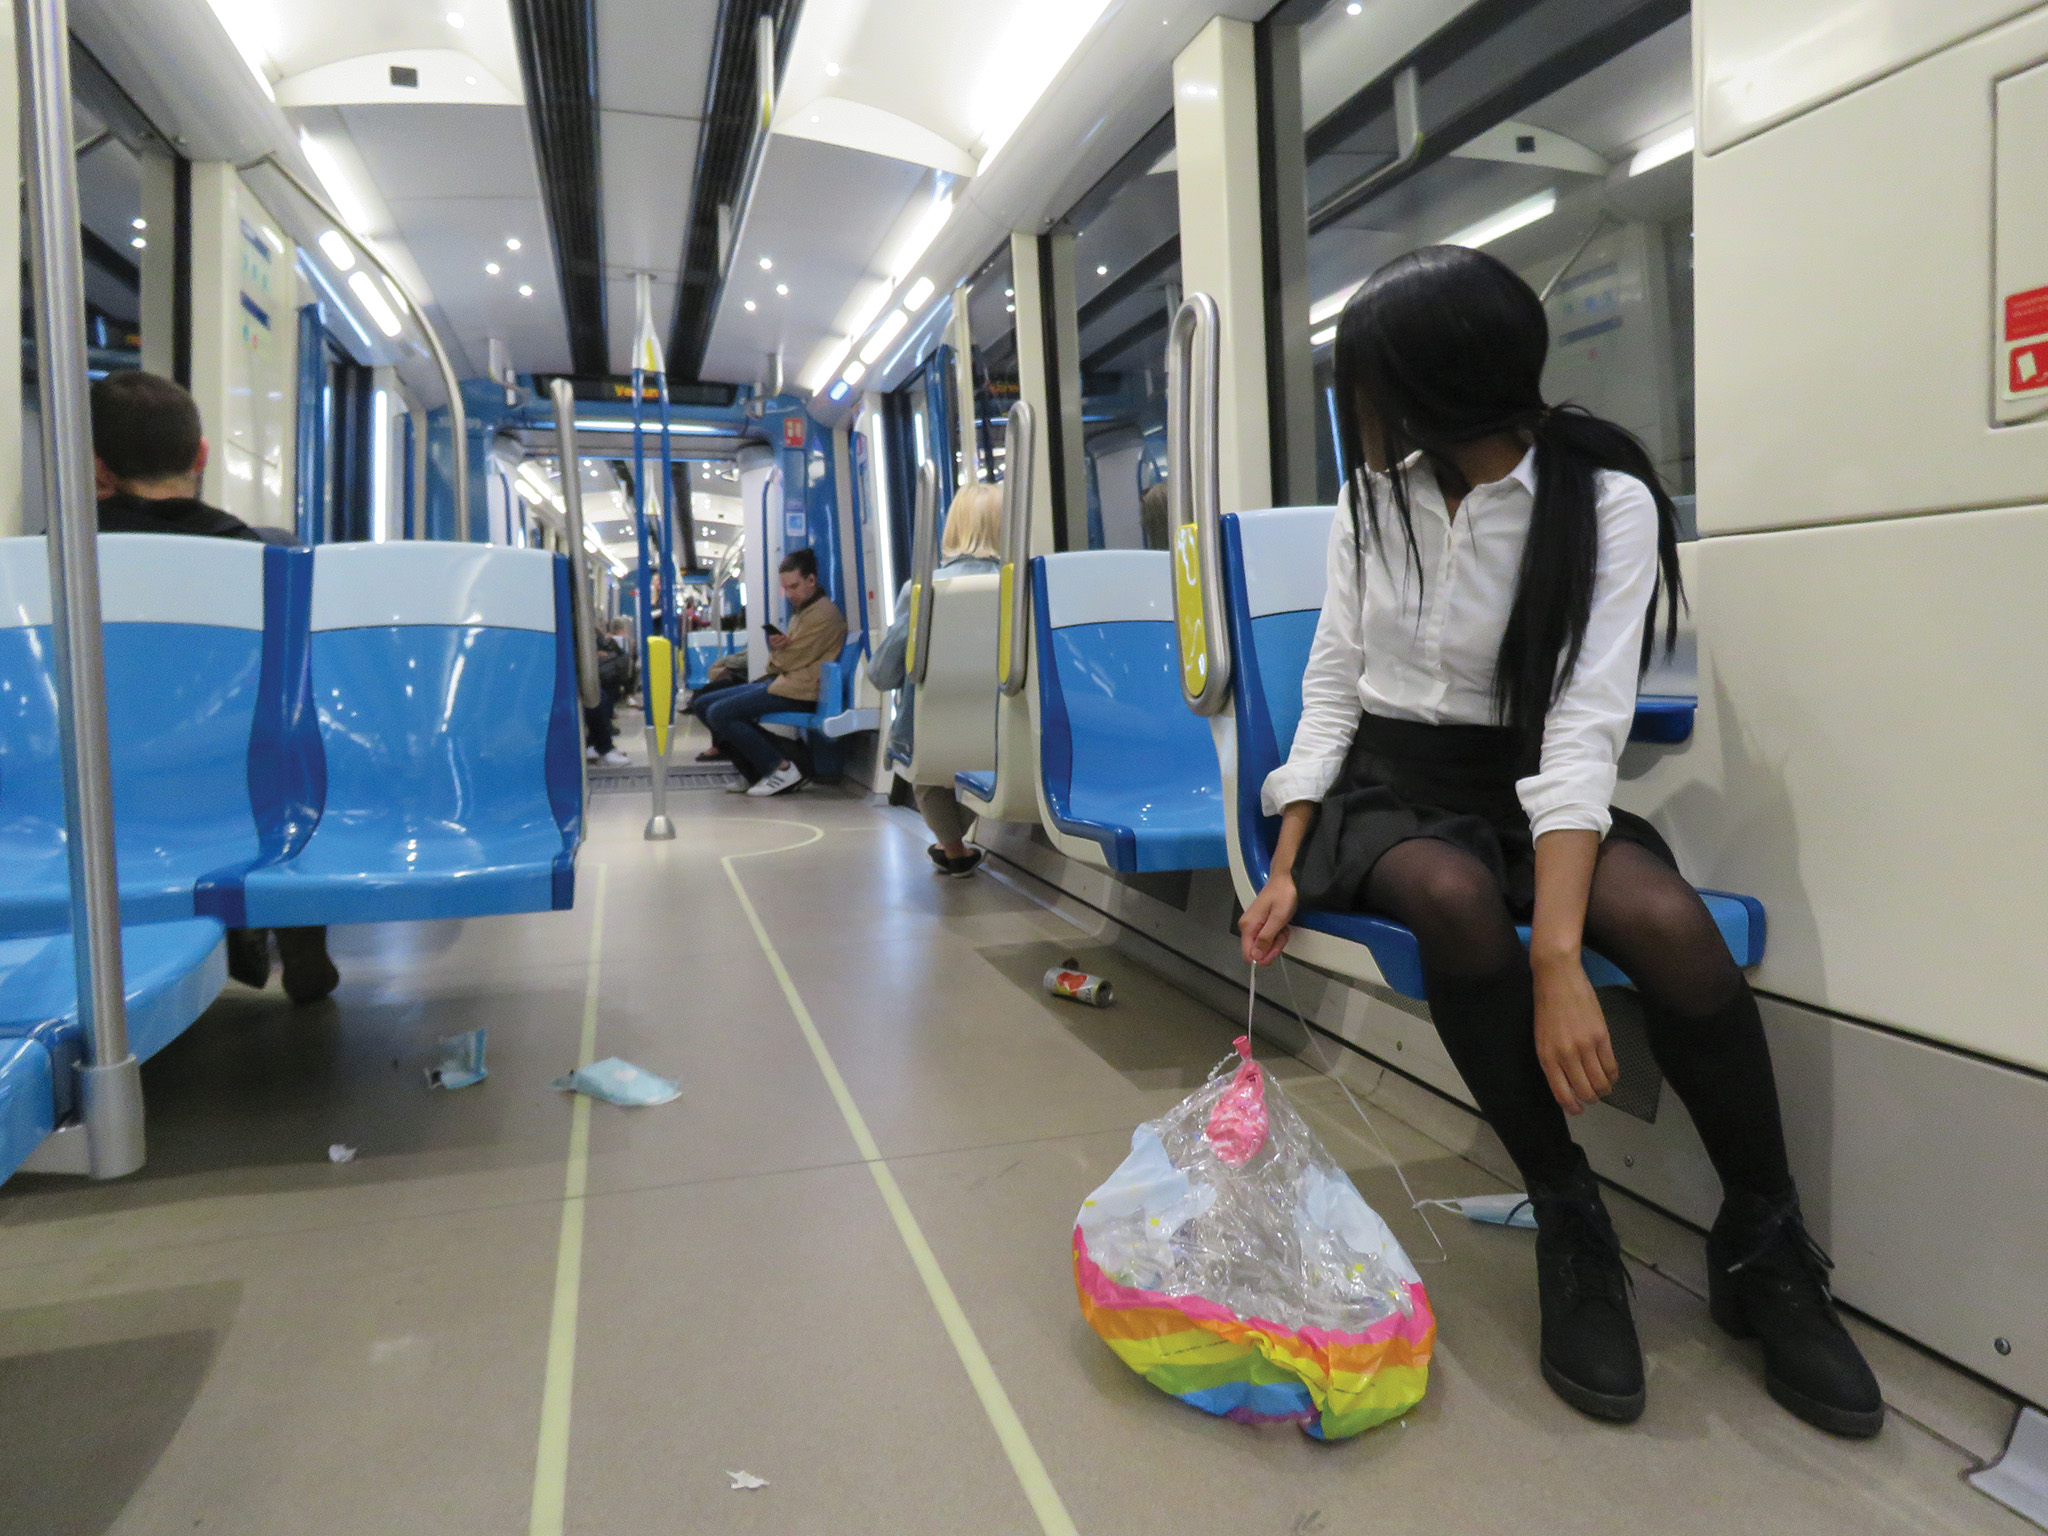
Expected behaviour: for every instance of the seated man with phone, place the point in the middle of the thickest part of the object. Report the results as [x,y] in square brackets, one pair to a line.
[817,633]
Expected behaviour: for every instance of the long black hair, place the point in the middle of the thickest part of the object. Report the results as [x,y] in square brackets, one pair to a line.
[1444,346]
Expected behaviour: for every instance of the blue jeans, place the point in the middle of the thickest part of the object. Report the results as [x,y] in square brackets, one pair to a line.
[731,714]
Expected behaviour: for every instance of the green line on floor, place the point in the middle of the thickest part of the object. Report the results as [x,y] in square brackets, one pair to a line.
[551,1459]
[995,1402]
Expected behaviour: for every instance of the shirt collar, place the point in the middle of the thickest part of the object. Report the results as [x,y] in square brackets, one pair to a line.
[1524,473]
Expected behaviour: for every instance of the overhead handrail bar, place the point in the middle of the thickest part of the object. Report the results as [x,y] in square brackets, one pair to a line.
[1193,492]
[1408,141]
[458,416]
[587,686]
[110,1087]
[1012,638]
[924,560]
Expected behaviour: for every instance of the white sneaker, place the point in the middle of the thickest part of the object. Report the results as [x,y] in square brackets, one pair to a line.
[783,779]
[590,753]
[616,758]
[739,787]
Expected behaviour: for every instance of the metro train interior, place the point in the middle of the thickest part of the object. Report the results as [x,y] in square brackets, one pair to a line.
[577,968]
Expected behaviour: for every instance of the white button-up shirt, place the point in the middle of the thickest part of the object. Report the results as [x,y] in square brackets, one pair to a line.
[1426,651]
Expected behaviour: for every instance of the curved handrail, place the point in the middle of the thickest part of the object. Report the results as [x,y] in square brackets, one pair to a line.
[1193,496]
[1408,141]
[923,560]
[588,687]
[1012,645]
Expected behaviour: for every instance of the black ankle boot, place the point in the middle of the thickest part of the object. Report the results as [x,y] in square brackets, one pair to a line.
[1767,1279]
[1591,1357]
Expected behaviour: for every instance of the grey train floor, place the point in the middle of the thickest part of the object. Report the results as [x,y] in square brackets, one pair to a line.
[245,1338]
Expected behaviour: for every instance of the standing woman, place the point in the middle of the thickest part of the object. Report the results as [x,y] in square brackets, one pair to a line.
[1496,574]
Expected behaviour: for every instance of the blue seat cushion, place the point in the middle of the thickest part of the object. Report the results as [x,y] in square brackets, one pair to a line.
[1740,919]
[980,785]
[1663,719]
[171,974]
[181,700]
[440,769]
[27,1109]
[1124,762]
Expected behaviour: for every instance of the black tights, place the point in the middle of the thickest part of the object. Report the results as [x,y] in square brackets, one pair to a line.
[1703,1023]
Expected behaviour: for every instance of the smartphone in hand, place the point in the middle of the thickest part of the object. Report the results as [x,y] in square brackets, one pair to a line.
[771,630]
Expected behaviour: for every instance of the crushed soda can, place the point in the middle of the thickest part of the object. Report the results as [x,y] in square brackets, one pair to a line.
[1067,979]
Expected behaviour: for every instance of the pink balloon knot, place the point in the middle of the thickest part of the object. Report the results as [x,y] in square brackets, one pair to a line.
[1237,1125]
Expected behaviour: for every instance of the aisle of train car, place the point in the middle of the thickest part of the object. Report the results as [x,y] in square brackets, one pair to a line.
[247,1337]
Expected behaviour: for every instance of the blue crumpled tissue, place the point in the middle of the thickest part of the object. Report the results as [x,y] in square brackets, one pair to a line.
[620,1082]
[462,1061]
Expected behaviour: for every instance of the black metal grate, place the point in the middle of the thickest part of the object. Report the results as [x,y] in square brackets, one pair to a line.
[558,52]
[731,117]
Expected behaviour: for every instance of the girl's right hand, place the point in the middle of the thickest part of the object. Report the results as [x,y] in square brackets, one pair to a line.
[1264,926]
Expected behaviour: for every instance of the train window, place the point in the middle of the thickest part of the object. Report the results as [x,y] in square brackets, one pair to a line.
[1126,287]
[992,325]
[1557,137]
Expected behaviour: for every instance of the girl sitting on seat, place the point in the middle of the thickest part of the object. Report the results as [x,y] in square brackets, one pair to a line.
[1497,569]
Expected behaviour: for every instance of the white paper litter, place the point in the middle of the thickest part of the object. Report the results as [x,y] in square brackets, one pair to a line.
[340,1152]
[746,1480]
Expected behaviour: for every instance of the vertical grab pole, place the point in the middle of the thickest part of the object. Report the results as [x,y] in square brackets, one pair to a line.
[110,1088]
[587,688]
[1193,499]
[1012,647]
[657,678]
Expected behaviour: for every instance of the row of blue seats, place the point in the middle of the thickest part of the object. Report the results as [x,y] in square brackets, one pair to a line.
[359,733]
[1124,765]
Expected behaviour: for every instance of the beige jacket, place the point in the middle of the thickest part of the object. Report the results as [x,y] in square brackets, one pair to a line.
[817,634]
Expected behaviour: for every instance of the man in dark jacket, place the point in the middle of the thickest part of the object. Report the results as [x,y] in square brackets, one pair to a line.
[148,456]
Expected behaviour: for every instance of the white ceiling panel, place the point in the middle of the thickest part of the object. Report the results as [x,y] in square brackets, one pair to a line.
[821,214]
[446,151]
[655,55]
[620,317]
[450,239]
[648,166]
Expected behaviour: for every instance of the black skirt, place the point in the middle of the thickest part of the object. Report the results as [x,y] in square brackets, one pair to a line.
[1456,783]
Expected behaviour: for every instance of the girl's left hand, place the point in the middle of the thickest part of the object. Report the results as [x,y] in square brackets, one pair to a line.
[1571,1038]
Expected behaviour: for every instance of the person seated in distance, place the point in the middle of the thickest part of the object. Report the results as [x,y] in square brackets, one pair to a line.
[817,631]
[974,524]
[149,457]
[614,680]
[1495,572]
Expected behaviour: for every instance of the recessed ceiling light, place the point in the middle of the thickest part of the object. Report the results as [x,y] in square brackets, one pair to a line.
[526,290]
[512,244]
[1102,271]
[493,268]
[833,71]
[455,20]
[1009,309]
[138,223]
[1353,9]
[814,117]
[750,306]
[469,79]
[139,243]
[782,290]
[767,265]
[1009,293]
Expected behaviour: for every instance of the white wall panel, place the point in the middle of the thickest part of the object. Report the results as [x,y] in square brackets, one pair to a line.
[1763,61]
[1871,760]
[1845,306]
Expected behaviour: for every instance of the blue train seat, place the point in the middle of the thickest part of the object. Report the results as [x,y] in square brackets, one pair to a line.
[1123,762]
[703,647]
[1273,571]
[835,694]
[443,676]
[27,1109]
[171,973]
[197,633]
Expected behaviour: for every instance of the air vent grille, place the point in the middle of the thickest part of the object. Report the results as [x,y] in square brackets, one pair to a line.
[558,52]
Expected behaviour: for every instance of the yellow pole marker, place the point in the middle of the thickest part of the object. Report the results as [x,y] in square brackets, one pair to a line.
[551,1459]
[995,1402]
[660,686]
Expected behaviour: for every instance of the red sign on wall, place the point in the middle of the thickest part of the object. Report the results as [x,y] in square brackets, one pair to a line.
[2026,314]
[793,426]
[2028,369]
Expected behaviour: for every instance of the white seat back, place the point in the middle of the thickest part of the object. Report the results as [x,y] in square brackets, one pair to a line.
[954,728]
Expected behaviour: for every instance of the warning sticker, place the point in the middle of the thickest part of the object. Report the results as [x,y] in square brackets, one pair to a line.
[793,426]
[2028,369]
[2026,314]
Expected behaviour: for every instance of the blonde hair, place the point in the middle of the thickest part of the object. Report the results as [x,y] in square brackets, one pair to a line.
[974,523]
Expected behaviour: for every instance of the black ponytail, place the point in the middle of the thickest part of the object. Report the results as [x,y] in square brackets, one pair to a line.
[1445,346]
